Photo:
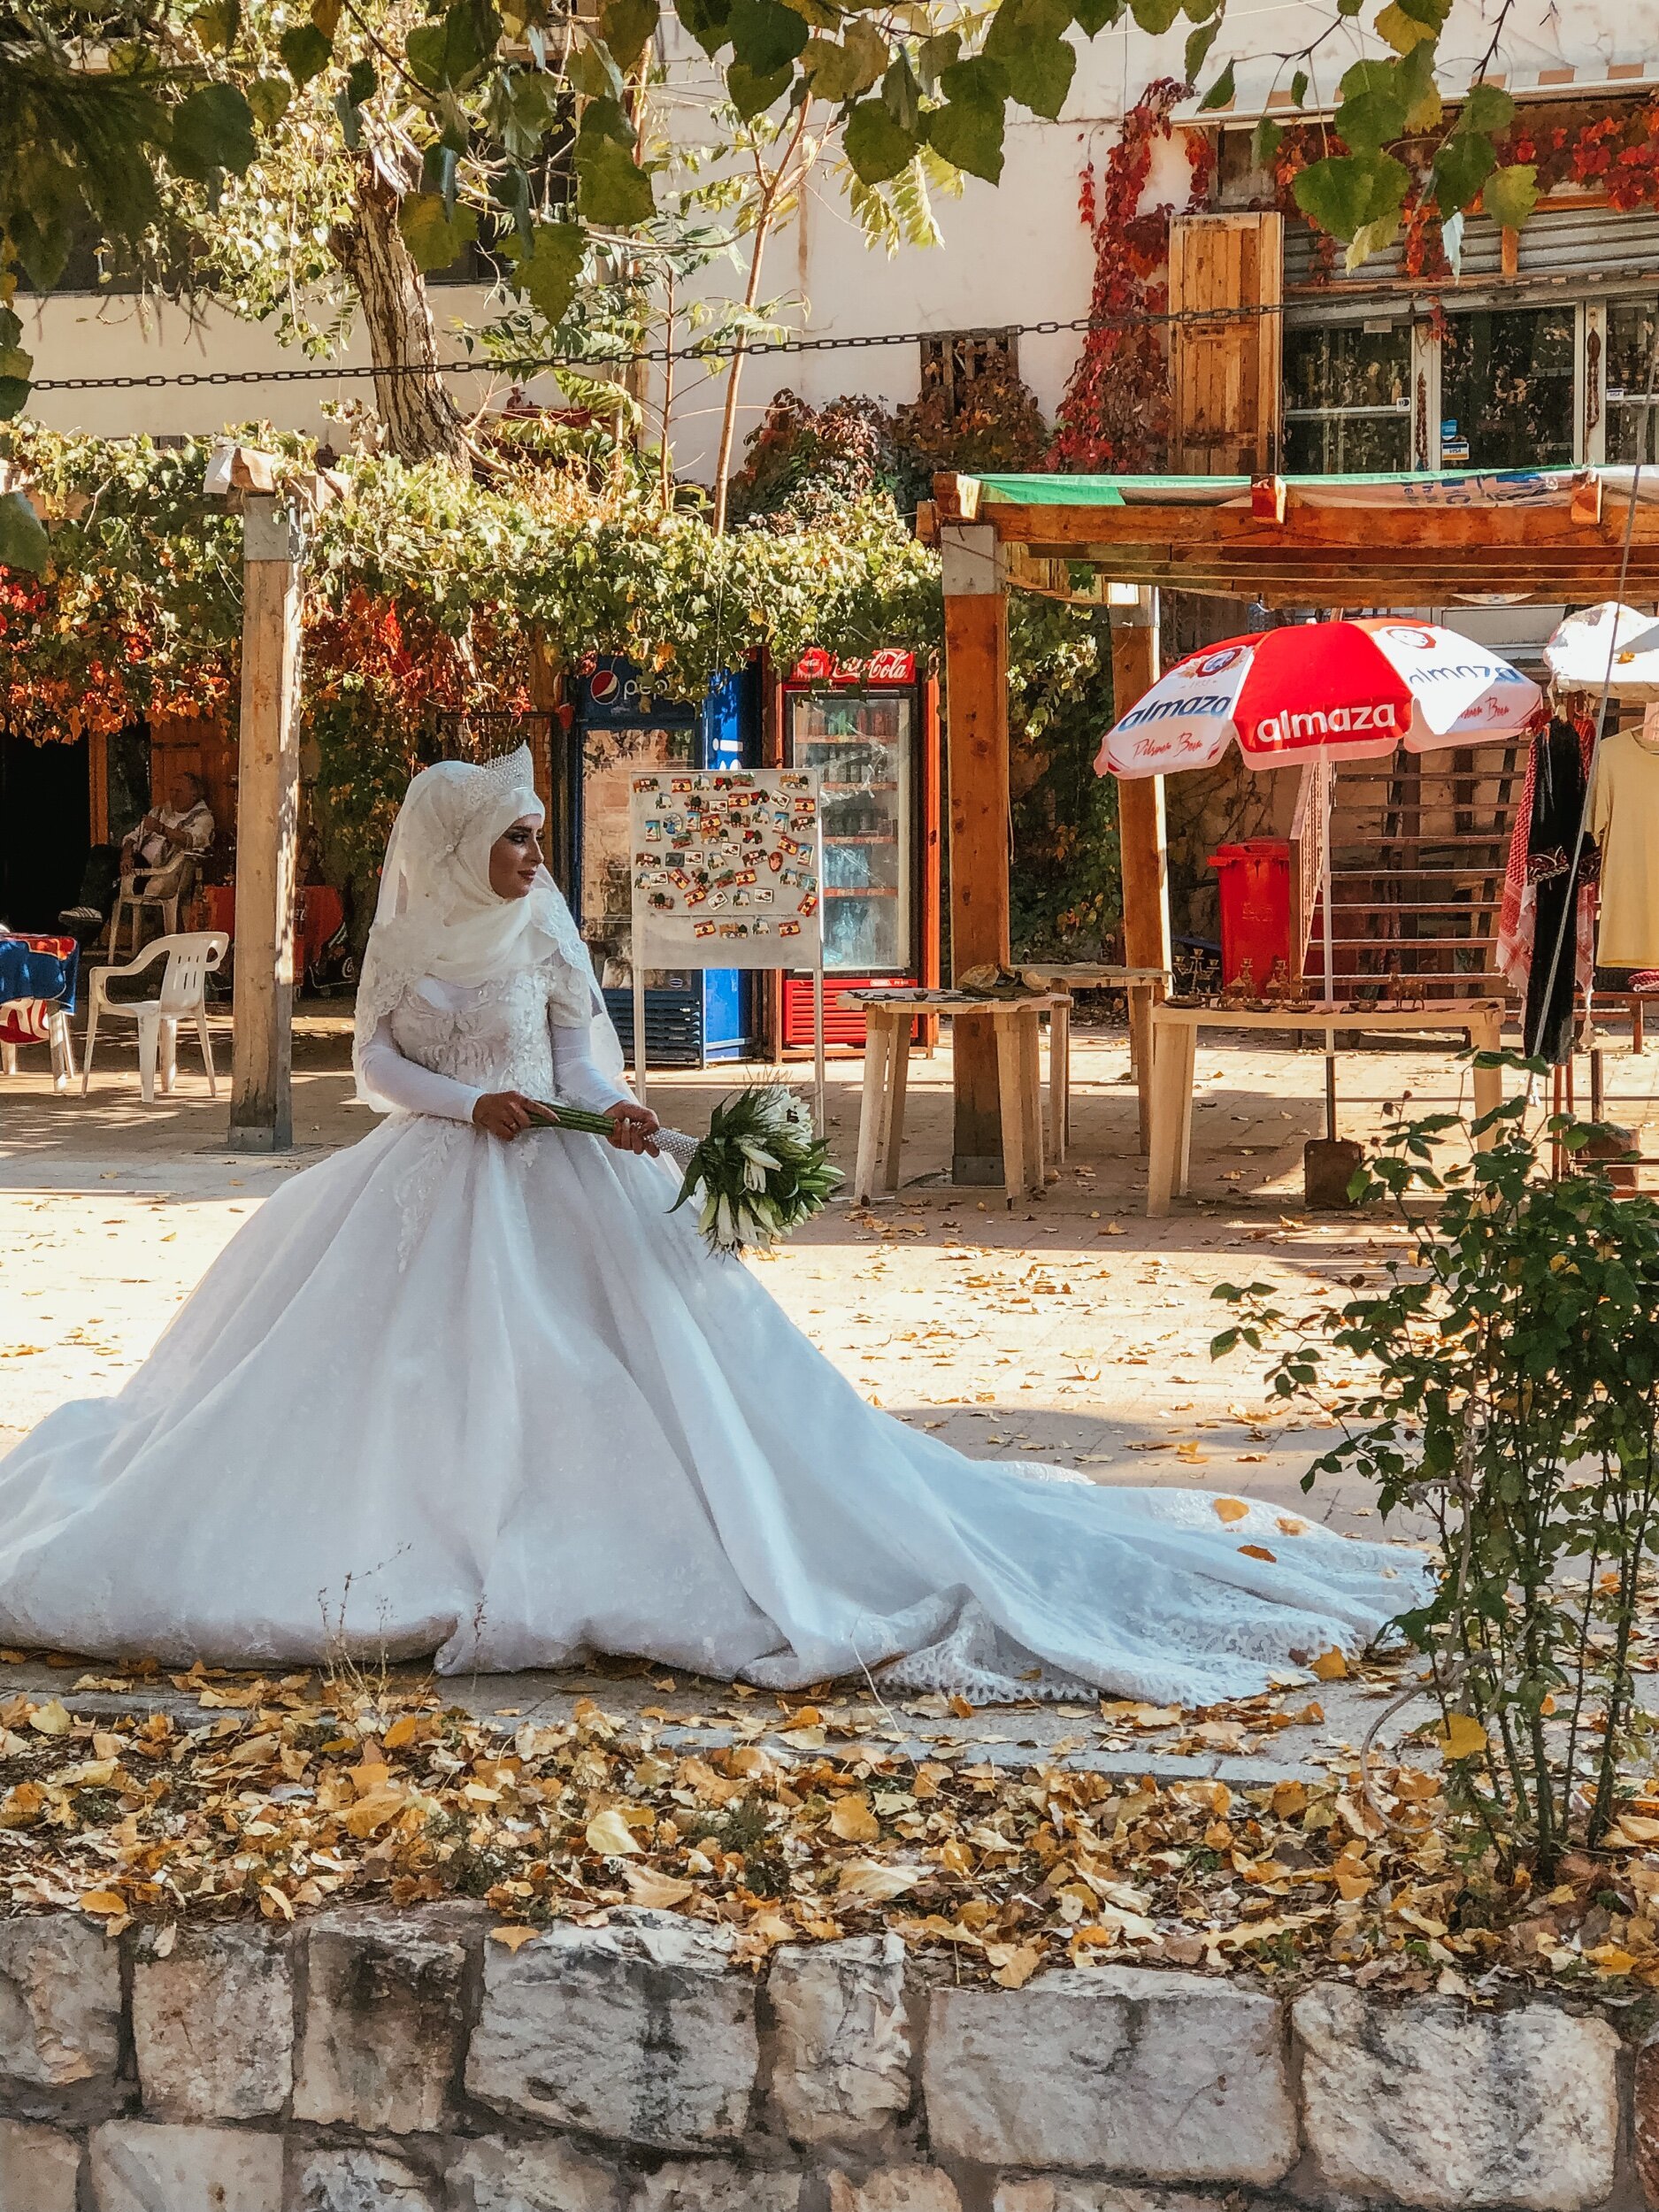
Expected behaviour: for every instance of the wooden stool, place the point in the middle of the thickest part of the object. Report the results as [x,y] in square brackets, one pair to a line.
[889,1021]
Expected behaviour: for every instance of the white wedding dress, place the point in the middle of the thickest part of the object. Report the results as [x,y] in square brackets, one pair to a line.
[494,1402]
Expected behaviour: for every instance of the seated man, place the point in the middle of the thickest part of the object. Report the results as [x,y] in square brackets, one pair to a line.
[183,825]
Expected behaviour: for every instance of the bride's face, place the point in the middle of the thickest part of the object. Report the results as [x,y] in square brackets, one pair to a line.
[514,858]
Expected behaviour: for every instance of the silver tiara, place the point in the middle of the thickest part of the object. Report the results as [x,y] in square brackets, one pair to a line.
[513,771]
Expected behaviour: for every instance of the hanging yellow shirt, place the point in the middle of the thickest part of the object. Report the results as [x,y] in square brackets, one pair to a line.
[1624,822]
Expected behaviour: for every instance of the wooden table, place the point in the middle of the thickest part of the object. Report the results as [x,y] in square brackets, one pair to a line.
[1175,1045]
[889,1017]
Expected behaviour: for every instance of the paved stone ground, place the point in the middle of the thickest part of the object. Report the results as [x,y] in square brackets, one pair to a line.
[1071,1329]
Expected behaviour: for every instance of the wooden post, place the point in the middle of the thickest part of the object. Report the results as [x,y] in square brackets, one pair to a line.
[1140,837]
[976,712]
[268,832]
[98,789]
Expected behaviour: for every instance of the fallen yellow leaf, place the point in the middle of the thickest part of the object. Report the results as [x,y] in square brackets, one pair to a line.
[867,1882]
[402,1732]
[610,1835]
[22,1805]
[1016,1970]
[1257,1551]
[1087,1939]
[513,1937]
[51,1719]
[1462,1738]
[853,1821]
[373,1812]
[660,1891]
[1610,1960]
[102,1901]
[1229,1510]
[1330,1666]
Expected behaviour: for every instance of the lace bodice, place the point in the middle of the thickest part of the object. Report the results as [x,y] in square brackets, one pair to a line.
[495,1038]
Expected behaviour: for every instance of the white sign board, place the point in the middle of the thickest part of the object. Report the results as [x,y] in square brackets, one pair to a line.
[727,867]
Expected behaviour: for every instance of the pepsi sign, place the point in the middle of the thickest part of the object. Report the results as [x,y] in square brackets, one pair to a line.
[614,694]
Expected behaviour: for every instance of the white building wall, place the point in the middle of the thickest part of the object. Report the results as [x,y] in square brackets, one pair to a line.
[1013,253]
[102,334]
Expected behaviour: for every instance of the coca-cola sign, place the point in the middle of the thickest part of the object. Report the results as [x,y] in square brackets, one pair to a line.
[890,665]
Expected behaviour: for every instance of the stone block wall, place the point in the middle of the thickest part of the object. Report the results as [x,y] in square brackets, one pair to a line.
[373,2061]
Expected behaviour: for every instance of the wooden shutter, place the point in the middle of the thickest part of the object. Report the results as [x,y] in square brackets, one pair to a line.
[1225,375]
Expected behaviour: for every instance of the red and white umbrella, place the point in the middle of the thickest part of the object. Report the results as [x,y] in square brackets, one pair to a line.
[1330,690]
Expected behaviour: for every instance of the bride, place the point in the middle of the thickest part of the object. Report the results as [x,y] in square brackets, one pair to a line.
[472,1389]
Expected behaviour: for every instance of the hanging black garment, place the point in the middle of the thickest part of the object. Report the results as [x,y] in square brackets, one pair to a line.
[1553,837]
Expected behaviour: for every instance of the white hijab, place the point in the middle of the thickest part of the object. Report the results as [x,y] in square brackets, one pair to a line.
[438,917]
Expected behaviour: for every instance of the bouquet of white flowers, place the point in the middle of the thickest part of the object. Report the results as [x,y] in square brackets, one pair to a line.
[757,1175]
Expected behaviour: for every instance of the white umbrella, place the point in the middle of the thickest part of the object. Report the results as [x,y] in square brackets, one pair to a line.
[1578,654]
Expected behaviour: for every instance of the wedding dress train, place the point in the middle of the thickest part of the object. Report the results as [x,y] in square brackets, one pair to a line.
[493,1400]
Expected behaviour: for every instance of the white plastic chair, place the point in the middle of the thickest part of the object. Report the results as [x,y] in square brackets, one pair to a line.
[183,997]
[162,890]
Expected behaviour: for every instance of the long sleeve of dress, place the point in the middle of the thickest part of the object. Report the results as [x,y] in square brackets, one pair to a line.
[578,1078]
[404,1082]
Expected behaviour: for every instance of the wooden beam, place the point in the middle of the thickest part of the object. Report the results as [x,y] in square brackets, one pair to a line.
[976,712]
[268,832]
[1143,850]
[1536,531]
[1162,563]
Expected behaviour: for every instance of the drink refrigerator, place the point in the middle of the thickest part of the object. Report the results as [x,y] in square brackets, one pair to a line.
[873,729]
[692,1016]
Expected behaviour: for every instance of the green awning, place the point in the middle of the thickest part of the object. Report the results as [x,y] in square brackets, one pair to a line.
[1054,491]
[1410,487]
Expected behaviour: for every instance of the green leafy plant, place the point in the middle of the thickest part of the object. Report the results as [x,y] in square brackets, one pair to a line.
[1512,1398]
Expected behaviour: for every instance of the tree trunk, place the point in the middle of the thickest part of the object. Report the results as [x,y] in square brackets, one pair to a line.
[733,376]
[422,422]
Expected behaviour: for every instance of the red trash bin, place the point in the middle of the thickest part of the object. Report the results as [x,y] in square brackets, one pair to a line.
[1254,908]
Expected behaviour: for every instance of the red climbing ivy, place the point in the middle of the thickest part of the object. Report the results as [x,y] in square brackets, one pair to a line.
[1616,152]
[1114,414]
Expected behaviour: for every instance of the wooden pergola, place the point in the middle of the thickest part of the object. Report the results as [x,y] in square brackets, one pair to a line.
[1413,541]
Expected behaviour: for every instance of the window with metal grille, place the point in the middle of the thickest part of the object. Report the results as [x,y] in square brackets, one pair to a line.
[1633,417]
[1506,388]
[1348,398]
[951,359]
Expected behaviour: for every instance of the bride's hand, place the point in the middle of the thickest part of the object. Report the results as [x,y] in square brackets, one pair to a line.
[503,1114]
[632,1129]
